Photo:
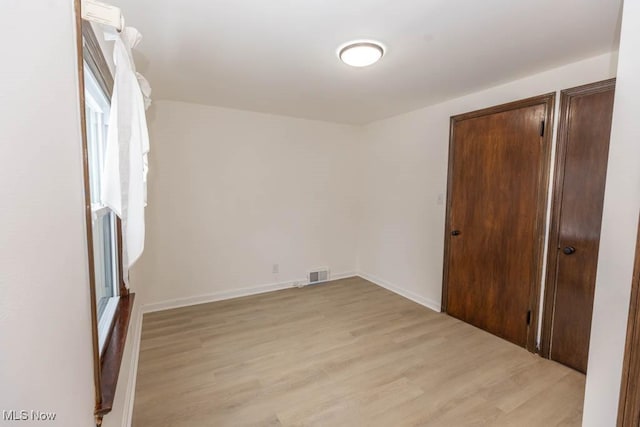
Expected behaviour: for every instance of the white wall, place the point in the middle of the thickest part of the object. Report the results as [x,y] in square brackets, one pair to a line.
[232,192]
[404,171]
[45,331]
[619,233]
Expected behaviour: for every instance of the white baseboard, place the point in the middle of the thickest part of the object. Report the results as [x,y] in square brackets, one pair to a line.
[224,295]
[133,370]
[431,304]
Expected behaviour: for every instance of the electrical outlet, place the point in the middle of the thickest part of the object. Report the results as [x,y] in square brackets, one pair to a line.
[441,199]
[275,269]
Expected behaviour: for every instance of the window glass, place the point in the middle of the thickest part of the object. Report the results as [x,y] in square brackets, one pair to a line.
[103,220]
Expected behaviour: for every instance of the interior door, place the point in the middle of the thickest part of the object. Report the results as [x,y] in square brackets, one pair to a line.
[496,202]
[583,147]
[629,406]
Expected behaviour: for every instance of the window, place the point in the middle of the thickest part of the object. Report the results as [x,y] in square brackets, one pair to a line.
[103,220]
[111,302]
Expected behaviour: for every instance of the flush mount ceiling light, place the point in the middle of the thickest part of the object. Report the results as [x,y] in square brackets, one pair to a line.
[361,53]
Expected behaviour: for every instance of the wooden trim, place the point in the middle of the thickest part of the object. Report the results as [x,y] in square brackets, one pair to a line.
[629,404]
[87,208]
[556,204]
[447,222]
[114,351]
[548,100]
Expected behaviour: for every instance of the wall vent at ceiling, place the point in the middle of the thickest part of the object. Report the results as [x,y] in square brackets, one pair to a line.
[318,275]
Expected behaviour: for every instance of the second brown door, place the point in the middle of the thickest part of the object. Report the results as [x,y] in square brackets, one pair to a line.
[583,146]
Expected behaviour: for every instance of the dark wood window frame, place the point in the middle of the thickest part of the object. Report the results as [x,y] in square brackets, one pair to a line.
[106,365]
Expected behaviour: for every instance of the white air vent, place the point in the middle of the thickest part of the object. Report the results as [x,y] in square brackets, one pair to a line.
[318,276]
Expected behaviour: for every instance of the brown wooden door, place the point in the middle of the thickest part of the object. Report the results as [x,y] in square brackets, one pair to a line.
[497,181]
[629,406]
[583,147]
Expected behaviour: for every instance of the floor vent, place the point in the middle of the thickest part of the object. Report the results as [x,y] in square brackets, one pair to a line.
[318,276]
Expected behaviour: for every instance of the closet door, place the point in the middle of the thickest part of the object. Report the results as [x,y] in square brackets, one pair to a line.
[498,172]
[581,167]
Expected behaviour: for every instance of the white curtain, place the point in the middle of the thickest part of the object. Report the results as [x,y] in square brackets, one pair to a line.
[124,178]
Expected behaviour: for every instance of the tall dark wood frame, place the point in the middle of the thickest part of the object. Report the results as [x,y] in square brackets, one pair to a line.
[548,100]
[629,406]
[106,365]
[556,205]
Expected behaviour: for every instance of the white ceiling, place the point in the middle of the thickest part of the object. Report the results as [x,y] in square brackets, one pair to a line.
[279,56]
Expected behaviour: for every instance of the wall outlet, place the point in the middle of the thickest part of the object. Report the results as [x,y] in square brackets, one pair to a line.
[275,269]
[441,199]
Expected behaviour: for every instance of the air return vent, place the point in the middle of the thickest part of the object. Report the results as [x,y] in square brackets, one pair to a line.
[318,276]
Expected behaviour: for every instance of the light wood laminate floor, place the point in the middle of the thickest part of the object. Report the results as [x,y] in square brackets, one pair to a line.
[346,353]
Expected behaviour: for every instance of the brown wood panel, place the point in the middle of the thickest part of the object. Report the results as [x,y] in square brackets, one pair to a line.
[499,160]
[629,407]
[581,166]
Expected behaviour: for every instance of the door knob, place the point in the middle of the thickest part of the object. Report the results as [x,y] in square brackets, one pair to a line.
[568,250]
[455,233]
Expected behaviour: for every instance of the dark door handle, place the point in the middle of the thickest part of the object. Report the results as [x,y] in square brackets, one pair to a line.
[455,233]
[568,250]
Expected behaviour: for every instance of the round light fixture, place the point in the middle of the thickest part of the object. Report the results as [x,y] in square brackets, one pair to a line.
[361,53]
